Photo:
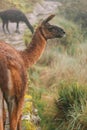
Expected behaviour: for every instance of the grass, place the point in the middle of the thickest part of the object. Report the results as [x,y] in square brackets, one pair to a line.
[24,5]
[61,66]
[58,70]
[61,74]
[71,105]
[27,124]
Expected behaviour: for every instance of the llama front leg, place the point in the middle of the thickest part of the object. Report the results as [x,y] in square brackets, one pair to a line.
[7,27]
[17,28]
[3,26]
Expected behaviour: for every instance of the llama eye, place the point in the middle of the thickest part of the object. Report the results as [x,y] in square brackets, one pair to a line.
[53,30]
[50,29]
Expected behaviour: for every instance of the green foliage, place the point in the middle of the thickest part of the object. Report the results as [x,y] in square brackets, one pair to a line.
[39,104]
[71,107]
[75,11]
[24,5]
[27,125]
[28,108]
[28,105]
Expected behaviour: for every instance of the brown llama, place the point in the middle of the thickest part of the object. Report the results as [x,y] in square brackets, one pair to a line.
[13,70]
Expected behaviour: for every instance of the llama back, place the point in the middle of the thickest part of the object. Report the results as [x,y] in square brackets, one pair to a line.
[14,15]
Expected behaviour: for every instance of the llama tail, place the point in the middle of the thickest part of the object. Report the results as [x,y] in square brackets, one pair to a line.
[29,25]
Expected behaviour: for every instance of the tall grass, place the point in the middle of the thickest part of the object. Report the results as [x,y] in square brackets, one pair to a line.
[71,107]
[63,60]
[66,75]
[61,71]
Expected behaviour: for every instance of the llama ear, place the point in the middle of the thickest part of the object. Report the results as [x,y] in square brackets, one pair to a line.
[48,19]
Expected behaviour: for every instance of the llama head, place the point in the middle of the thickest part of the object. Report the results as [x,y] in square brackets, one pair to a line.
[51,31]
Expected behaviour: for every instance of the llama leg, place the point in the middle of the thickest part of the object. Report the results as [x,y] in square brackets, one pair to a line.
[15,111]
[4,115]
[19,124]
[17,28]
[1,111]
[20,114]
[12,110]
[3,26]
[7,27]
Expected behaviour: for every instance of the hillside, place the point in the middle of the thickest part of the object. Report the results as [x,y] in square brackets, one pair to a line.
[58,81]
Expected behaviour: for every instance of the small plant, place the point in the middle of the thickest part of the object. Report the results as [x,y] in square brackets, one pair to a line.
[71,107]
[27,124]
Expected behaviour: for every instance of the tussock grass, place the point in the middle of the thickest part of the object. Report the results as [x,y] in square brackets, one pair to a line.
[61,73]
[67,74]
[71,106]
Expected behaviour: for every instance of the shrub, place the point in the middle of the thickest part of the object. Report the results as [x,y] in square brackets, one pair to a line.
[71,107]
[27,124]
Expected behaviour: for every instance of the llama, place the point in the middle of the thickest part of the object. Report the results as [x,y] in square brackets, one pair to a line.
[14,15]
[13,70]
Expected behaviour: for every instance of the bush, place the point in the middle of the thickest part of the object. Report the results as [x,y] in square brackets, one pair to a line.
[27,124]
[71,107]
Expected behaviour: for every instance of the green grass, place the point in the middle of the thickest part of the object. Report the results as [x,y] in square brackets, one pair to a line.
[24,5]
[27,124]
[66,74]
[71,106]
[61,74]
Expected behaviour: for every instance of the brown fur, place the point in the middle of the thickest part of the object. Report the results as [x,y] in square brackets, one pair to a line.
[13,69]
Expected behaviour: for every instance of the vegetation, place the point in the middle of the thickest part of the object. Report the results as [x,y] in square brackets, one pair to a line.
[24,5]
[75,11]
[71,107]
[58,82]
[27,112]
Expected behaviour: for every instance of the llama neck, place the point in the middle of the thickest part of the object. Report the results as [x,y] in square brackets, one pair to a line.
[28,24]
[34,50]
